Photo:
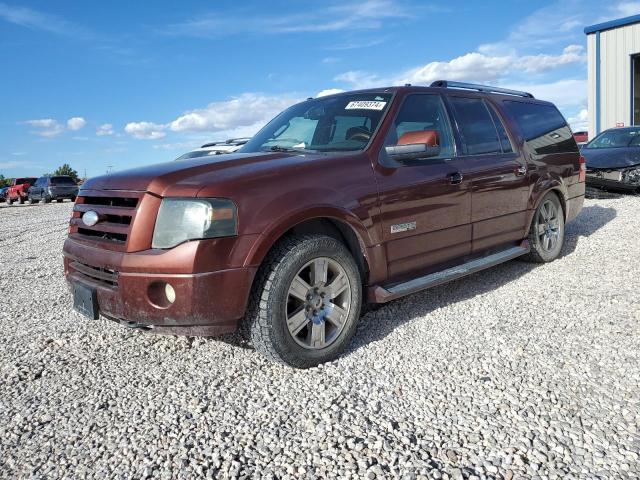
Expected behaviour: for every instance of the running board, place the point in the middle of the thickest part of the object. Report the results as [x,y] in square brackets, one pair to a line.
[378,294]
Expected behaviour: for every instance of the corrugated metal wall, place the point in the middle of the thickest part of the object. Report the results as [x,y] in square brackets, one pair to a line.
[616,48]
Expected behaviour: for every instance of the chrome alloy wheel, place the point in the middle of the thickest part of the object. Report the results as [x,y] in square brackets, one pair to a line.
[318,303]
[548,226]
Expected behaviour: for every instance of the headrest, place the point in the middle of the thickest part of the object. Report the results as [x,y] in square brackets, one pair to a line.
[430,137]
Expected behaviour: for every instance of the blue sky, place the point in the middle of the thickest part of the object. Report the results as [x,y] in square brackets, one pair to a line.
[120,84]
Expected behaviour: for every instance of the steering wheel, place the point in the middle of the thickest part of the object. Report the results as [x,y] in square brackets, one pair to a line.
[361,135]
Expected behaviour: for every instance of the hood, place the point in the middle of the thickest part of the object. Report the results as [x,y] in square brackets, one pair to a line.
[187,177]
[611,157]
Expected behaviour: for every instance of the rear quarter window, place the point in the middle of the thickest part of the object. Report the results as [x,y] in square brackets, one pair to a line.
[544,128]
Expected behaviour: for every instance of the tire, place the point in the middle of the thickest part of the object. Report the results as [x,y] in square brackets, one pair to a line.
[323,319]
[59,200]
[546,235]
[20,200]
[31,200]
[46,199]
[9,201]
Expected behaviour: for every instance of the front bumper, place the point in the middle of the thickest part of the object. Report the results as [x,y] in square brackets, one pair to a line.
[610,183]
[207,303]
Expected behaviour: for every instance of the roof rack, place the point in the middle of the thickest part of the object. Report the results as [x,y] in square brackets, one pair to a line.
[480,88]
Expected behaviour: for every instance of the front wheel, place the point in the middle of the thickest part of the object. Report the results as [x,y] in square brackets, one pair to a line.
[20,200]
[9,201]
[306,301]
[546,236]
[45,199]
[31,200]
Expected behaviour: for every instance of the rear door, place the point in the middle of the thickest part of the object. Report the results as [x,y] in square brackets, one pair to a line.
[497,171]
[425,205]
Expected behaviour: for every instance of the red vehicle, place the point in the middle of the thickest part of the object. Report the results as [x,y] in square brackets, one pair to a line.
[357,197]
[581,137]
[18,189]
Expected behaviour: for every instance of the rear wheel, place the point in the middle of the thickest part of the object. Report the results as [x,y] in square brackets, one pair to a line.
[31,200]
[9,201]
[46,199]
[546,236]
[306,301]
[20,199]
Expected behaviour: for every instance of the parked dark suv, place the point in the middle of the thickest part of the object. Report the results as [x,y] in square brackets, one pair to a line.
[357,197]
[56,188]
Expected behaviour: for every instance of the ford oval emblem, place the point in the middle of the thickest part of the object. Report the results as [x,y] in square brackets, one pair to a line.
[90,218]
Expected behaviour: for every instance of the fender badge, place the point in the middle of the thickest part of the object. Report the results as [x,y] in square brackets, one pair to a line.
[403,227]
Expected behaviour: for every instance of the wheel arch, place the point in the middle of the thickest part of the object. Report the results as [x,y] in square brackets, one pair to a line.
[337,223]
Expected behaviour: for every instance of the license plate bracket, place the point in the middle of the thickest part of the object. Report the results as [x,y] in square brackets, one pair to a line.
[85,301]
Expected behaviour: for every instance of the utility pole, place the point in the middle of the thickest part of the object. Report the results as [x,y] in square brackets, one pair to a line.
[109,168]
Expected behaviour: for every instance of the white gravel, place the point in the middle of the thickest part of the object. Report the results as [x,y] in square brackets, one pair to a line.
[521,371]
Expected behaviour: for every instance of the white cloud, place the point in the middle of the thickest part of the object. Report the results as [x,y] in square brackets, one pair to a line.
[46,127]
[479,67]
[246,110]
[33,19]
[329,91]
[626,9]
[580,121]
[104,130]
[76,123]
[145,130]
[350,16]
[564,93]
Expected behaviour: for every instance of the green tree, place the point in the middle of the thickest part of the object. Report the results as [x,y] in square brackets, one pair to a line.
[4,182]
[67,170]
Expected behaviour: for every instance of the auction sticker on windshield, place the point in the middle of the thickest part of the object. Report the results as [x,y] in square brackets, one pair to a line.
[365,105]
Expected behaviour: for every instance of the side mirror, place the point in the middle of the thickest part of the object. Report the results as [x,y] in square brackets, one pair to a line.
[415,151]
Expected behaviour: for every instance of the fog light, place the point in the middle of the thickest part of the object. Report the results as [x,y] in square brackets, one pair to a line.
[170,293]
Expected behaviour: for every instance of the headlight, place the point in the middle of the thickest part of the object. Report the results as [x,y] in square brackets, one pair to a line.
[183,219]
[631,176]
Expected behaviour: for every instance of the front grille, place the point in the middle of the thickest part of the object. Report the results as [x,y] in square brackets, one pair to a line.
[116,213]
[97,274]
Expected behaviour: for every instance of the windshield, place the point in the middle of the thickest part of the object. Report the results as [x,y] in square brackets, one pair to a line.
[63,181]
[337,123]
[616,139]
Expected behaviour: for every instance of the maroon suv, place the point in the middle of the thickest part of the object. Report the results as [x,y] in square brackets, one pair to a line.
[358,197]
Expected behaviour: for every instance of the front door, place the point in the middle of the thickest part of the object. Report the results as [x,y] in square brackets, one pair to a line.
[498,174]
[425,204]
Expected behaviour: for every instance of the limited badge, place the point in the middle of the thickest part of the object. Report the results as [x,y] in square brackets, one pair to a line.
[403,227]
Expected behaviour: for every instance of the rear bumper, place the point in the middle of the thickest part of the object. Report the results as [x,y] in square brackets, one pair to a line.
[205,304]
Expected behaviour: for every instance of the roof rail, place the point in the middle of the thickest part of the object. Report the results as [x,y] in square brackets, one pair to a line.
[480,88]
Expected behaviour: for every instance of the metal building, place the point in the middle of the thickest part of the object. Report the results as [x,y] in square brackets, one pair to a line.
[614,74]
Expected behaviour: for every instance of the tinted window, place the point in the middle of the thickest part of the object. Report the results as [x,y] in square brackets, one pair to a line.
[63,181]
[476,127]
[420,113]
[543,127]
[505,143]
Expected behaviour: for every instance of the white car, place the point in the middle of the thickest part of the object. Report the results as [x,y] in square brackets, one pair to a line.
[215,148]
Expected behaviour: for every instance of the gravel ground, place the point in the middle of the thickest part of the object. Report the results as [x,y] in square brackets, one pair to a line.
[521,371]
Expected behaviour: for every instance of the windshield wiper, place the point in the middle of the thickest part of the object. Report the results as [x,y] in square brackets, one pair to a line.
[280,148]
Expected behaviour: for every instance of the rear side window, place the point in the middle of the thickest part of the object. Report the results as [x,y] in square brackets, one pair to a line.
[477,128]
[505,143]
[543,127]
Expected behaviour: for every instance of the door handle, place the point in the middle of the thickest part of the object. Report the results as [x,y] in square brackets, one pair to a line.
[455,178]
[521,171]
